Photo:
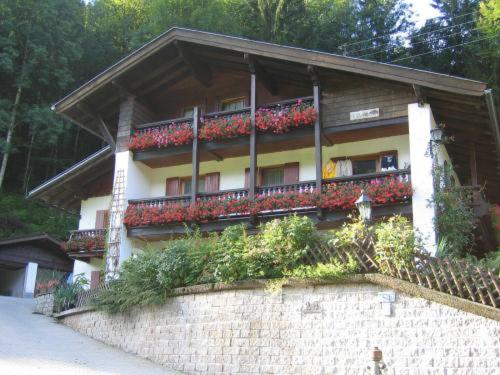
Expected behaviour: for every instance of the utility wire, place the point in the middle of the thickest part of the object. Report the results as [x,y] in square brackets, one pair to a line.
[414,35]
[417,43]
[444,48]
[382,36]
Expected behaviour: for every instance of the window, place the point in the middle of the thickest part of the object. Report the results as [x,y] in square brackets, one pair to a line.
[233,104]
[186,185]
[208,183]
[273,176]
[188,112]
[101,219]
[364,166]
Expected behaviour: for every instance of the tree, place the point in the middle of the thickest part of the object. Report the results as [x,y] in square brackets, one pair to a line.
[36,60]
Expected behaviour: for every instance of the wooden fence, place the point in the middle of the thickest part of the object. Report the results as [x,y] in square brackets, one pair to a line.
[84,298]
[456,277]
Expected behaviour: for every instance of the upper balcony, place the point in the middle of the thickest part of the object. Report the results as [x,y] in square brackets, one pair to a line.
[283,125]
[161,217]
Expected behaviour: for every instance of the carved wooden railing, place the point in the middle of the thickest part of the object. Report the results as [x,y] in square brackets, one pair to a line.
[160,128]
[300,196]
[161,202]
[86,241]
[162,124]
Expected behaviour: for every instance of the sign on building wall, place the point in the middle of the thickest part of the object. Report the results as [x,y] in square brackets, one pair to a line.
[364,114]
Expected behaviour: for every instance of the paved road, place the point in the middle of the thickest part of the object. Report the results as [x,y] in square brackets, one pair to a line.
[35,344]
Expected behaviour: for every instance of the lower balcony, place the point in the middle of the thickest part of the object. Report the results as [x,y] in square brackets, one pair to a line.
[159,218]
[86,244]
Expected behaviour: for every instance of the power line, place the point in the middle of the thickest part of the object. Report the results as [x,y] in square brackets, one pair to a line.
[417,43]
[444,48]
[382,36]
[414,35]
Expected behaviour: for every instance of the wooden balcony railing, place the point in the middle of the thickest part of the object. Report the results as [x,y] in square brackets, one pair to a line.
[336,194]
[270,117]
[85,242]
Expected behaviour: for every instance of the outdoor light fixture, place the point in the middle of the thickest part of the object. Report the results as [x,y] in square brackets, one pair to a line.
[364,205]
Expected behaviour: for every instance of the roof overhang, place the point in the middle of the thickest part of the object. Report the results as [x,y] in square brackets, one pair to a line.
[69,187]
[291,54]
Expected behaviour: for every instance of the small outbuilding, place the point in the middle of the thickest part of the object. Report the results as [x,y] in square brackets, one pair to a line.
[23,260]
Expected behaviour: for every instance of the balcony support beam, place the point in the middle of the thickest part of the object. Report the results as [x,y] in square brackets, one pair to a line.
[317,126]
[195,158]
[253,138]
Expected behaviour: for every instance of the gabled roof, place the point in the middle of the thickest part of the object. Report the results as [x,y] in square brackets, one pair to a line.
[293,54]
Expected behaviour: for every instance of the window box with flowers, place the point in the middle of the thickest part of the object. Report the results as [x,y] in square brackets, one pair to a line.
[334,196]
[175,134]
[81,241]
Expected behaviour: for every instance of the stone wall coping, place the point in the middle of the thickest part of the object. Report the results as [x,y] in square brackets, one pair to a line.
[371,278]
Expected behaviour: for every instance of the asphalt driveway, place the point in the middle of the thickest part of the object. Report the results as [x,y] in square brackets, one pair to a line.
[35,344]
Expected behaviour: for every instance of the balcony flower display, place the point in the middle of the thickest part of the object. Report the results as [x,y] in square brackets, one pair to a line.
[334,196]
[225,127]
[86,243]
[283,119]
[160,137]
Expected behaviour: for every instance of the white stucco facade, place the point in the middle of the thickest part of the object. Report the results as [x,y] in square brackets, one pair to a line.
[232,170]
[85,269]
[88,210]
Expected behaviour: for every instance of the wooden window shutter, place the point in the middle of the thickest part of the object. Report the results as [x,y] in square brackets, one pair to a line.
[247,178]
[173,187]
[101,219]
[95,278]
[212,182]
[291,173]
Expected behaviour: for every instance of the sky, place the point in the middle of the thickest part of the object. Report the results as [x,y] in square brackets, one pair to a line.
[423,11]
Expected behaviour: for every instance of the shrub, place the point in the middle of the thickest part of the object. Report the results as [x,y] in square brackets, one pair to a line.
[230,263]
[65,294]
[324,271]
[455,219]
[280,246]
[137,285]
[395,241]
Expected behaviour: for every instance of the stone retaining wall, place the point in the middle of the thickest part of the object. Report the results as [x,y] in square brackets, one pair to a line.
[44,304]
[325,329]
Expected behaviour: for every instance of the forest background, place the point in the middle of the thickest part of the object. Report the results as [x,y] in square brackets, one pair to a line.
[50,47]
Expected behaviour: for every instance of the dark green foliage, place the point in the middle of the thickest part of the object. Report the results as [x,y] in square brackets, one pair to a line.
[19,216]
[276,251]
[65,294]
[455,219]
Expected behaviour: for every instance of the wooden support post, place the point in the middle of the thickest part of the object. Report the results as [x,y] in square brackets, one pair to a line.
[473,164]
[253,140]
[317,131]
[195,158]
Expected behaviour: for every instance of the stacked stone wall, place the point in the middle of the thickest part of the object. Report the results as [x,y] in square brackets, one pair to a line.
[329,329]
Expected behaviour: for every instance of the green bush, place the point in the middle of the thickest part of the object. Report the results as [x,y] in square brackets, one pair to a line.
[395,241]
[230,258]
[65,294]
[324,271]
[281,246]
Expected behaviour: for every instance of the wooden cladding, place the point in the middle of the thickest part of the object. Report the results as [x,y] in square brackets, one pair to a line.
[338,102]
[101,219]
[291,173]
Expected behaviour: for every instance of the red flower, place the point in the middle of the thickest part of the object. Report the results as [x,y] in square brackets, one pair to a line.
[335,196]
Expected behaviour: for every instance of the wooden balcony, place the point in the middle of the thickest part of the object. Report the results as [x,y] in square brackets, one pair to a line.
[86,244]
[157,218]
[222,135]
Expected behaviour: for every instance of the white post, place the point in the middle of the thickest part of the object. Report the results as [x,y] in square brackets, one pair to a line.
[30,280]
[420,123]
